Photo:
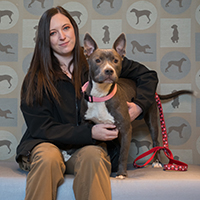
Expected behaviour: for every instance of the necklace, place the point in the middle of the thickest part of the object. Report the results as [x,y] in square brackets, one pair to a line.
[65,71]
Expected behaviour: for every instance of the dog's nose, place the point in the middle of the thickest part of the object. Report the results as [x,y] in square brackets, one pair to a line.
[109,71]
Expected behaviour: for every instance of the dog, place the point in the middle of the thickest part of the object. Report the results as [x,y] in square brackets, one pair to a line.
[6,143]
[177,63]
[36,30]
[8,13]
[32,1]
[5,113]
[180,3]
[104,69]
[6,78]
[101,1]
[175,103]
[76,14]
[139,144]
[4,48]
[106,38]
[178,129]
[140,13]
[140,48]
[175,34]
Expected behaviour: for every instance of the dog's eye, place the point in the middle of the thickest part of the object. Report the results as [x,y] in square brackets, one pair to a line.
[98,60]
[115,61]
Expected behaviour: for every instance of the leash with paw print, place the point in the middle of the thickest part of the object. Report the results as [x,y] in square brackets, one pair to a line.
[173,164]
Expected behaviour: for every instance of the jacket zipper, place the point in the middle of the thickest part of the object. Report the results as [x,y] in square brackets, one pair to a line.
[76,104]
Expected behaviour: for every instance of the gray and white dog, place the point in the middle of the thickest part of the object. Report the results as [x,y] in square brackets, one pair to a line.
[106,95]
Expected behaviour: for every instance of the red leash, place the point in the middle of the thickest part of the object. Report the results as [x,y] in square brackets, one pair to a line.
[173,164]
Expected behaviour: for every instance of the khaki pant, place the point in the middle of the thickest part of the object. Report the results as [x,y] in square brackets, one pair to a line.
[90,165]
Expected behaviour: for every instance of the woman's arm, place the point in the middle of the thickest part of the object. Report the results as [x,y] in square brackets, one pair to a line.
[146,83]
[43,122]
[47,125]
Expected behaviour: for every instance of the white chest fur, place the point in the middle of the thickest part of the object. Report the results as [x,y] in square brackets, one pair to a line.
[97,111]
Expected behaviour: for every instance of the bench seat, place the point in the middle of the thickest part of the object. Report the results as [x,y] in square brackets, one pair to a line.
[142,184]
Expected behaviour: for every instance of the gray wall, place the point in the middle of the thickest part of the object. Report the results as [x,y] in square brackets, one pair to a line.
[168,42]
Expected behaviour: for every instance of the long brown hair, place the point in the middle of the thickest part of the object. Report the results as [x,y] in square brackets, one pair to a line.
[45,68]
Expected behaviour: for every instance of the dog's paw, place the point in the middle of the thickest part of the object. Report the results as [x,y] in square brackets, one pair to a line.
[120,177]
[156,164]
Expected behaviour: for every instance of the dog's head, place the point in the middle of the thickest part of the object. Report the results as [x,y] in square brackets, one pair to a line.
[9,46]
[174,26]
[104,64]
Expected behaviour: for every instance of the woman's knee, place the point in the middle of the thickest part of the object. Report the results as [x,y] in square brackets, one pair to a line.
[47,155]
[94,156]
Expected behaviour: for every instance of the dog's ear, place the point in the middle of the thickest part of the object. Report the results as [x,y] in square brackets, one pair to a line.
[120,45]
[89,45]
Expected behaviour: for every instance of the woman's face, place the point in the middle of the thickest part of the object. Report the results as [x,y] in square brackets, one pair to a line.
[62,36]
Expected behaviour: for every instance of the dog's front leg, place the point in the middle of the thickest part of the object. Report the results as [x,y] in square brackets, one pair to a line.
[125,140]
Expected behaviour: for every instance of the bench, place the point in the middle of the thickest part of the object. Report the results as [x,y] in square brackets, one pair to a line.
[142,184]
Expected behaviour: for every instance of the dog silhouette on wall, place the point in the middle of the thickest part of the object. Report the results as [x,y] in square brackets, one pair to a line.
[176,157]
[7,78]
[140,48]
[6,143]
[175,63]
[180,3]
[140,13]
[6,13]
[76,14]
[106,38]
[175,34]
[35,28]
[5,48]
[139,144]
[178,129]
[41,1]
[109,1]
[4,113]
[175,103]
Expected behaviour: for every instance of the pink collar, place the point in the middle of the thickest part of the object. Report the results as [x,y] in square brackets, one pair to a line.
[98,99]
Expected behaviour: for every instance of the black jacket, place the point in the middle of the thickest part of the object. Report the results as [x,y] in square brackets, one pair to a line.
[60,124]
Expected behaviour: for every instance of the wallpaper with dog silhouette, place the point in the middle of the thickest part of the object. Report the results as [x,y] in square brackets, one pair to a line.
[164,35]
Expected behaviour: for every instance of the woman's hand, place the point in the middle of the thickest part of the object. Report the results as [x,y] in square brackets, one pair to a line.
[107,132]
[104,132]
[134,110]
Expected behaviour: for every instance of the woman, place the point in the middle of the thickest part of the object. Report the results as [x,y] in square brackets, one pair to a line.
[50,103]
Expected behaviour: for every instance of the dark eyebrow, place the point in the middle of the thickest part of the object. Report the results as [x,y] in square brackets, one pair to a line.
[67,24]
